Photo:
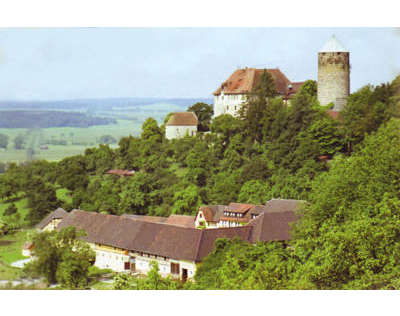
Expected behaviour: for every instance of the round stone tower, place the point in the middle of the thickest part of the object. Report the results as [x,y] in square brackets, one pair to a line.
[333,74]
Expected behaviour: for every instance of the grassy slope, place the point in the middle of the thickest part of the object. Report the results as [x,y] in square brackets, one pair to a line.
[10,253]
[21,206]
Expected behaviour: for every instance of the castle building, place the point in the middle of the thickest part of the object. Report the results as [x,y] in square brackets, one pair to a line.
[333,74]
[232,94]
[181,124]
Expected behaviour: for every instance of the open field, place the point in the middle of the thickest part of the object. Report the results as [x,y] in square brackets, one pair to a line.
[129,114]
[22,206]
[10,251]
[78,139]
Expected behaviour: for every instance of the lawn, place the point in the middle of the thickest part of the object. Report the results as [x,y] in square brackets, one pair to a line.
[22,206]
[10,251]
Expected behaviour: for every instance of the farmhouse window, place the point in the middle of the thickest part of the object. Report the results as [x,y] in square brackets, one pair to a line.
[174,268]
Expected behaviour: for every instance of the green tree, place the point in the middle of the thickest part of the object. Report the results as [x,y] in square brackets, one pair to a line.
[3,141]
[18,142]
[204,113]
[62,256]
[255,108]
[150,130]
[348,235]
[10,210]
[187,201]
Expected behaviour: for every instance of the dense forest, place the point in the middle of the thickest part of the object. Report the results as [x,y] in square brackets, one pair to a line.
[348,170]
[43,119]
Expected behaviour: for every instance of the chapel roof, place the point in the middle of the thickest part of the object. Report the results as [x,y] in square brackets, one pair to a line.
[182,119]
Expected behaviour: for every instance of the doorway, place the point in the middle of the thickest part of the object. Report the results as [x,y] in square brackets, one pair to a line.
[184,275]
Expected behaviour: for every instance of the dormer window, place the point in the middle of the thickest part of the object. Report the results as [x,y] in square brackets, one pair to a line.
[200,216]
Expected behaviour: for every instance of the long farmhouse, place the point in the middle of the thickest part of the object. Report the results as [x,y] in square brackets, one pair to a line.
[128,243]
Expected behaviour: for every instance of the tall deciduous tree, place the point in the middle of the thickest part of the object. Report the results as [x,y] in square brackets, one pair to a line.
[204,113]
[62,256]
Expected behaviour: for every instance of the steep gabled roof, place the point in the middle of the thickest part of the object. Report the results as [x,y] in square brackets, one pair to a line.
[59,213]
[183,119]
[154,219]
[212,213]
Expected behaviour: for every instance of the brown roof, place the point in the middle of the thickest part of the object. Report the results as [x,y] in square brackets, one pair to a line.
[183,119]
[239,207]
[272,226]
[180,220]
[243,81]
[57,214]
[295,86]
[161,239]
[282,205]
[212,213]
[209,236]
[173,219]
[154,219]
[27,245]
[273,223]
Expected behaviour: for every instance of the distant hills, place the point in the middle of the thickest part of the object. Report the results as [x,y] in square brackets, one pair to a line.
[97,104]
[88,112]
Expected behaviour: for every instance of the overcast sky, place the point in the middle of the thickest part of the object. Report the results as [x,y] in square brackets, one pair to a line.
[72,63]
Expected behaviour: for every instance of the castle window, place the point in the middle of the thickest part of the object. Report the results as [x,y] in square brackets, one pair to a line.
[227,107]
[235,107]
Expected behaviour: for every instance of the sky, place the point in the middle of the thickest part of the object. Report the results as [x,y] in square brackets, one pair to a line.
[80,63]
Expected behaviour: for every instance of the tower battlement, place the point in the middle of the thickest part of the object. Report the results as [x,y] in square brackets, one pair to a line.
[333,74]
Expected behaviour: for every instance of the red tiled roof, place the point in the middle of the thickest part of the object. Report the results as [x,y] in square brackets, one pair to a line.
[243,81]
[121,173]
[183,119]
[239,207]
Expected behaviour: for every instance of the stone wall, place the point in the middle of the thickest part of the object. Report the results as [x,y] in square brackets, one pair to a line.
[333,78]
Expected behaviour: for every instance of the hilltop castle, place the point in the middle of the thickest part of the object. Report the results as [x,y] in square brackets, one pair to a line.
[333,82]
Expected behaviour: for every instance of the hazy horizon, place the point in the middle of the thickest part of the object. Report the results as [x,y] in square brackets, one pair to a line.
[60,64]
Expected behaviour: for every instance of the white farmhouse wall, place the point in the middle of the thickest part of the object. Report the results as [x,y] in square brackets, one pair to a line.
[108,259]
[201,222]
[143,266]
[26,252]
[179,131]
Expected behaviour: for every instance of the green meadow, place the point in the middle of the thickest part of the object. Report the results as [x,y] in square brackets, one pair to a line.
[77,139]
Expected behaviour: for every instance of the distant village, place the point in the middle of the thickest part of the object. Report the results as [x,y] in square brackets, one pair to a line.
[128,243]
